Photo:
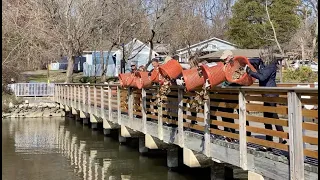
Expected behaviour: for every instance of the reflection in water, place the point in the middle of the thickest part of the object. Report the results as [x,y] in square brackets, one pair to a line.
[54,148]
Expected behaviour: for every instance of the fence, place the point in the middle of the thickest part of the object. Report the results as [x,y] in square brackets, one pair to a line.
[215,118]
[32,89]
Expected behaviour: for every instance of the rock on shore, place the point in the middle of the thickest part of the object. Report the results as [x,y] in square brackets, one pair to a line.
[34,110]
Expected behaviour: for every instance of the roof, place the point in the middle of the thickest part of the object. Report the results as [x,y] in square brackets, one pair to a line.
[161,48]
[206,41]
[250,53]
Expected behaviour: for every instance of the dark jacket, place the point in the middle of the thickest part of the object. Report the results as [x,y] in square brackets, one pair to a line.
[266,76]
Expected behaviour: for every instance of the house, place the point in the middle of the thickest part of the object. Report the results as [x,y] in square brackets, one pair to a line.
[249,53]
[62,64]
[162,50]
[135,51]
[213,45]
[93,65]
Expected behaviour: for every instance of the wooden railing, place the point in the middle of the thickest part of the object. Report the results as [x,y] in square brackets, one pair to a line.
[32,89]
[224,115]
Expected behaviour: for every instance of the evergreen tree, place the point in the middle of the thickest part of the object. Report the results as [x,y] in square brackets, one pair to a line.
[250,28]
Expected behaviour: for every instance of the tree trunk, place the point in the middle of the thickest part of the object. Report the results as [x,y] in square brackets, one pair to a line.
[303,54]
[150,55]
[314,41]
[151,49]
[275,34]
[71,60]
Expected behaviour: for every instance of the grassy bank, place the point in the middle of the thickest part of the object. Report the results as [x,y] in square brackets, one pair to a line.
[56,77]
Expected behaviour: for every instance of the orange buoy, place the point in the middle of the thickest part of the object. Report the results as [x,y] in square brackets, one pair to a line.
[125,79]
[133,82]
[142,80]
[192,78]
[214,74]
[156,76]
[232,67]
[171,70]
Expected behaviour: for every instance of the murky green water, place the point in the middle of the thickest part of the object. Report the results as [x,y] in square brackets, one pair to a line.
[56,149]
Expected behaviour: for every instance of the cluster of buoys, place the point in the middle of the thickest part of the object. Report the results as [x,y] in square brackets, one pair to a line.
[215,73]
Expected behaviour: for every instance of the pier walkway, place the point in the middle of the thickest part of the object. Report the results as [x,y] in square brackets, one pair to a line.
[174,123]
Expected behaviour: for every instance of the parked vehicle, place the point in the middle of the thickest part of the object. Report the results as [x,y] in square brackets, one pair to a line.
[299,63]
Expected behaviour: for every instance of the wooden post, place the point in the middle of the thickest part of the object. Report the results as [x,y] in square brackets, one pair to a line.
[68,95]
[75,96]
[79,97]
[295,137]
[119,104]
[109,104]
[72,95]
[130,106]
[102,102]
[242,131]
[143,111]
[207,122]
[59,93]
[89,100]
[180,118]
[160,121]
[83,94]
[95,104]
[54,94]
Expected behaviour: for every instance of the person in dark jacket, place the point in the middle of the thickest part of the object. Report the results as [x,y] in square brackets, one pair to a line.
[266,74]
[226,57]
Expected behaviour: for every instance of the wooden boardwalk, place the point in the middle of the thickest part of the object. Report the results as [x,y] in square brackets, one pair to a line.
[134,110]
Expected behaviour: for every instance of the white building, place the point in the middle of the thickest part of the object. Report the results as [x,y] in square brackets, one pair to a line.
[214,44]
[137,52]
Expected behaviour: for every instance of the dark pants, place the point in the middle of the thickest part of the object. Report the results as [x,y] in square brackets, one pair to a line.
[271,115]
[230,120]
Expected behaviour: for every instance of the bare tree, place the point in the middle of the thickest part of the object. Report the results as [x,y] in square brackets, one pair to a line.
[159,13]
[68,23]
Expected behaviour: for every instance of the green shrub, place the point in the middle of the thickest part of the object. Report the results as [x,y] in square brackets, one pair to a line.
[301,75]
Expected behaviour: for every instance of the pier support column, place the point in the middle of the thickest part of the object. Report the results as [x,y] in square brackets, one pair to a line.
[142,146]
[94,126]
[121,138]
[254,176]
[173,157]
[85,121]
[217,171]
[106,131]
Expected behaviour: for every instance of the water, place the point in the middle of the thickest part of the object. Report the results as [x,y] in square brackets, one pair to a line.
[55,148]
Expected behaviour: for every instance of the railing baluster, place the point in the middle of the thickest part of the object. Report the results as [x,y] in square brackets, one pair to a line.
[207,122]
[65,95]
[180,118]
[18,90]
[102,103]
[79,97]
[295,136]
[144,114]
[130,106]
[119,104]
[160,122]
[71,96]
[83,97]
[109,104]
[242,131]
[89,100]
[95,100]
